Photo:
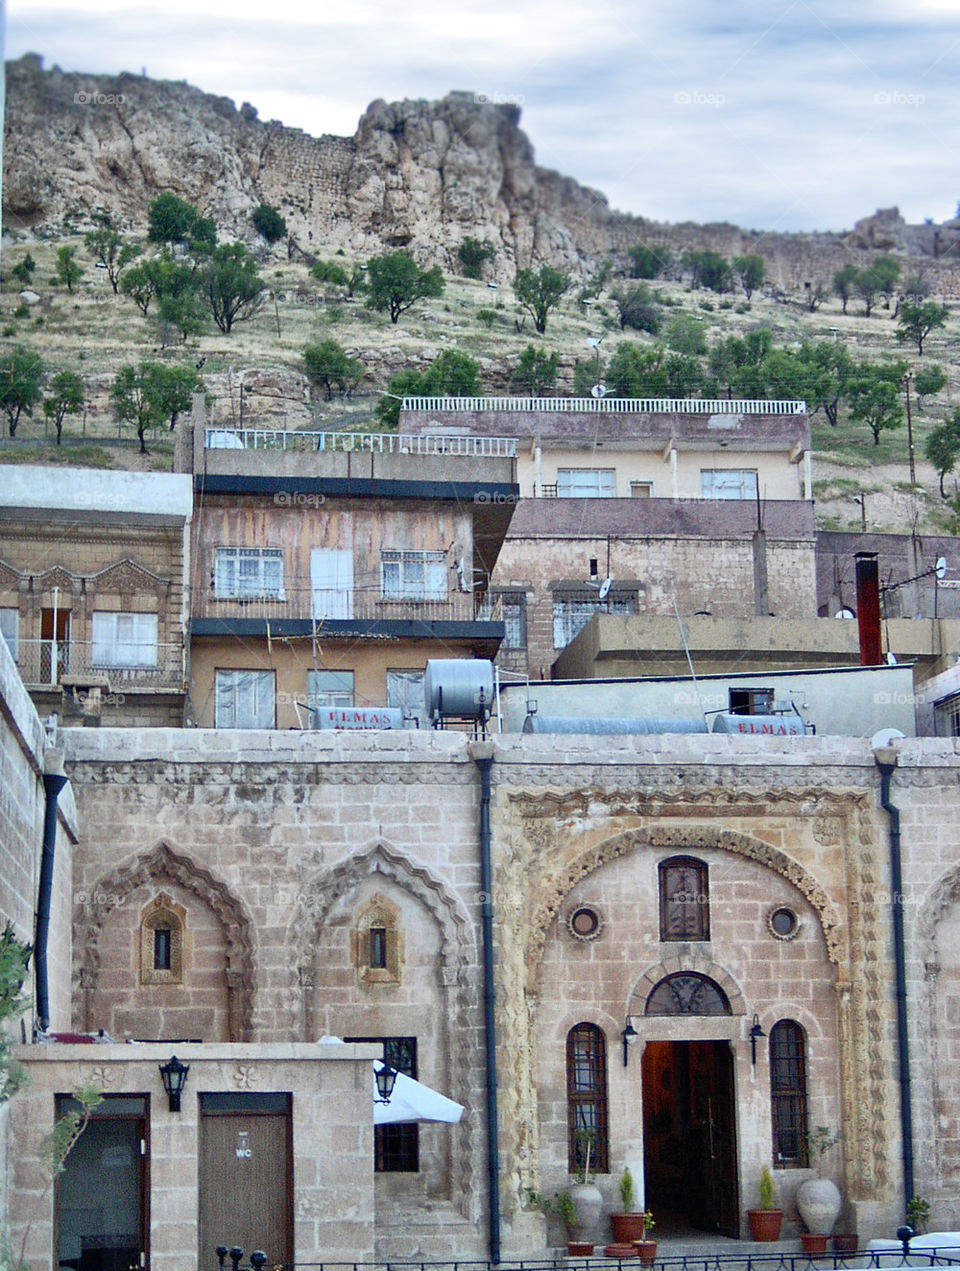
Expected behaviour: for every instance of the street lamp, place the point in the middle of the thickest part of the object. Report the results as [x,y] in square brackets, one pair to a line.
[629,1036]
[174,1078]
[913,466]
[386,1078]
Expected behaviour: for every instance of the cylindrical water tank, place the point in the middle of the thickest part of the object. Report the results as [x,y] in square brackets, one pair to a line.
[616,724]
[466,685]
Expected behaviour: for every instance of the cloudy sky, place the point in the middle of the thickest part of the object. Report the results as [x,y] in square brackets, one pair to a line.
[773,114]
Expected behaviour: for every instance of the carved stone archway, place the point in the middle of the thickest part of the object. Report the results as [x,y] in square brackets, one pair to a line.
[163,862]
[458,960]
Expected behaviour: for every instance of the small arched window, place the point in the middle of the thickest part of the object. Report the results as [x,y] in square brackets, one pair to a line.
[684,899]
[161,942]
[587,1098]
[377,943]
[788,1094]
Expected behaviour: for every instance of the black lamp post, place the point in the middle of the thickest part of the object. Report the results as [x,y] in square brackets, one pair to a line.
[756,1032]
[386,1078]
[174,1078]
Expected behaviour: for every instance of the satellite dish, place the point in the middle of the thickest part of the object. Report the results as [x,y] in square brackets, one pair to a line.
[885,737]
[941,566]
[462,580]
[891,660]
[605,588]
[845,613]
[599,390]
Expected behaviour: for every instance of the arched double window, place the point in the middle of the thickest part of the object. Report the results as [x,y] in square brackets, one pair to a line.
[687,993]
[587,1098]
[788,1094]
[161,942]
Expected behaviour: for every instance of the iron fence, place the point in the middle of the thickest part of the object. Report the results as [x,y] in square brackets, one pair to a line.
[609,405]
[380,443]
[44,663]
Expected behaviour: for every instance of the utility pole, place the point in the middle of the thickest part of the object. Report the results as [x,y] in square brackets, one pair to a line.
[913,466]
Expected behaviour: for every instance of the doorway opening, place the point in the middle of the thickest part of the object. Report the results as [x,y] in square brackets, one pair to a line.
[689,1134]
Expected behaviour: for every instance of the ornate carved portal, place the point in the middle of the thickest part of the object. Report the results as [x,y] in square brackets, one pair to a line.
[546,853]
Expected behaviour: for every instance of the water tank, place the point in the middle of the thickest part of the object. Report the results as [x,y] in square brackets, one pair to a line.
[617,724]
[466,685]
[760,725]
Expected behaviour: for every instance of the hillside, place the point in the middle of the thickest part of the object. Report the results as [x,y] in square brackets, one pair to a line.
[422,176]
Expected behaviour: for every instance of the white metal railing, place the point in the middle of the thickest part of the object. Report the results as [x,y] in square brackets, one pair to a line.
[382,443]
[44,663]
[609,405]
[323,605]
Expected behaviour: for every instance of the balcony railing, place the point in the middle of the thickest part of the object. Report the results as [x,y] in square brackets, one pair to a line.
[609,405]
[356,442]
[320,605]
[44,663]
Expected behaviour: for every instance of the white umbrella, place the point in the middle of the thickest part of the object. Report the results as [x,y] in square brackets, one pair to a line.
[413,1101]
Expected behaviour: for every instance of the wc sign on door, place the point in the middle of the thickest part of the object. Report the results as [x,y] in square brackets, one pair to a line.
[244,1152]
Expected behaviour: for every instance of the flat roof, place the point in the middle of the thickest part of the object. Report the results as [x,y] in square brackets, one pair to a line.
[95,490]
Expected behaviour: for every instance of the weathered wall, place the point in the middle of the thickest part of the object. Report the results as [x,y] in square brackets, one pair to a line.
[332,1141]
[289,836]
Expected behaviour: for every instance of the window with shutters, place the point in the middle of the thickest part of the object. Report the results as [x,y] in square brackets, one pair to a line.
[684,899]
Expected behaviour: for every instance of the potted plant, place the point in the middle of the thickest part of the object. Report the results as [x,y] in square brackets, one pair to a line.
[628,1225]
[818,1199]
[646,1249]
[765,1221]
[565,1208]
[918,1213]
[586,1196]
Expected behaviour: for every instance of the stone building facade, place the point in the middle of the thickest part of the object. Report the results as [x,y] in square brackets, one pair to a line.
[279,854]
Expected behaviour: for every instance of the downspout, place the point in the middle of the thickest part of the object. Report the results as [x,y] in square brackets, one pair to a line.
[53,783]
[886,759]
[482,753]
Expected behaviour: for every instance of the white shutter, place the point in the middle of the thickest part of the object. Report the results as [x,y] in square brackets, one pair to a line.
[331,582]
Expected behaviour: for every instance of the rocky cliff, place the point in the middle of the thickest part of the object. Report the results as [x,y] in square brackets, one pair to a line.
[418,175]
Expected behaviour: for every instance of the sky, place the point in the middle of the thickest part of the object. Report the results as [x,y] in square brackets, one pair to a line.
[770,114]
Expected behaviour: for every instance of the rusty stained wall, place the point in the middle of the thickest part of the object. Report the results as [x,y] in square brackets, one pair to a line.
[367,526]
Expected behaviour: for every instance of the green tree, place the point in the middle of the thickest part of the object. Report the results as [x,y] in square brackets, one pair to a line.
[14,962]
[203,237]
[918,320]
[874,397]
[929,380]
[942,446]
[751,272]
[329,271]
[684,375]
[686,335]
[137,398]
[452,374]
[69,271]
[21,380]
[395,282]
[113,252]
[886,270]
[709,269]
[844,281]
[268,222]
[172,220]
[473,255]
[140,284]
[24,270]
[539,291]
[638,308]
[232,285]
[329,365]
[64,397]
[634,371]
[174,387]
[737,362]
[535,372]
[649,262]
[829,370]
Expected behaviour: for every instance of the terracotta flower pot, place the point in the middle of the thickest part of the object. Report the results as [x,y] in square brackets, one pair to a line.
[646,1251]
[813,1242]
[580,1248]
[846,1243]
[627,1228]
[765,1223]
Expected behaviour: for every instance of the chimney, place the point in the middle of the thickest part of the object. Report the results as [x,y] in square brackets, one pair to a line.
[868,608]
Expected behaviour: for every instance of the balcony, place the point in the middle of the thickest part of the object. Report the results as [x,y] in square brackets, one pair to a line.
[43,664]
[308,604]
[359,443]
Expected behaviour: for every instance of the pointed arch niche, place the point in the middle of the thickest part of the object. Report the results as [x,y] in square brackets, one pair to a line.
[207,989]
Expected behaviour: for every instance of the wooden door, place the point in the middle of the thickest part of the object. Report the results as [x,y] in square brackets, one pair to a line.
[245,1175]
[713,1138]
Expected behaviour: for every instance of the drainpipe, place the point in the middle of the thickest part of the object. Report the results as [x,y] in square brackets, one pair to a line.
[482,753]
[886,759]
[53,783]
